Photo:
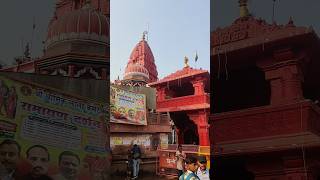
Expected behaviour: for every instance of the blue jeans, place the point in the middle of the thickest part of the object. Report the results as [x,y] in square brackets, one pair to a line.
[136,164]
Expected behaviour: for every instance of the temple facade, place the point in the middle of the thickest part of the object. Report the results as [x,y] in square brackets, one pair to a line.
[265,117]
[184,94]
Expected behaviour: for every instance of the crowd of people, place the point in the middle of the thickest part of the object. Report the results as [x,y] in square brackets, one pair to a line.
[191,168]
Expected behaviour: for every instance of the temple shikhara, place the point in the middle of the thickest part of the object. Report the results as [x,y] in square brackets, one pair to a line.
[265,113]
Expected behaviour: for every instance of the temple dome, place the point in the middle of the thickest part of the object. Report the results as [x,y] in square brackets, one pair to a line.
[142,55]
[136,72]
[85,23]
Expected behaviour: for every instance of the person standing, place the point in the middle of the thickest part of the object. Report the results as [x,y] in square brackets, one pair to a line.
[180,157]
[191,164]
[203,172]
[136,158]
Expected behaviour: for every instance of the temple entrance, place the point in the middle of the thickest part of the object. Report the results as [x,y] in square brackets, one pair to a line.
[187,129]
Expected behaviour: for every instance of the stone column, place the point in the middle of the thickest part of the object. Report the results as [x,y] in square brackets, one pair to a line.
[198,86]
[285,76]
[200,118]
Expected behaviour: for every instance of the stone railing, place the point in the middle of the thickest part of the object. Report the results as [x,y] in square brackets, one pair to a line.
[265,121]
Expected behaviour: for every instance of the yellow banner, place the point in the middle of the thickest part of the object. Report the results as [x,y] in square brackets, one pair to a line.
[38,124]
[127,107]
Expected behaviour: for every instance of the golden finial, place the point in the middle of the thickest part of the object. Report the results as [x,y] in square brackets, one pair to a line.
[244,12]
[186,61]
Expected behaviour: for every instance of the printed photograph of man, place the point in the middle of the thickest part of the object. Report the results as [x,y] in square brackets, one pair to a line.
[9,158]
[38,156]
[69,165]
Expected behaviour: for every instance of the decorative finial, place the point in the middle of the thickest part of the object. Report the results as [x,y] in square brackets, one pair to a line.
[186,62]
[244,12]
[144,35]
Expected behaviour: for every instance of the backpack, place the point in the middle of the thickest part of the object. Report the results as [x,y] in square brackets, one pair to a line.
[188,177]
[136,155]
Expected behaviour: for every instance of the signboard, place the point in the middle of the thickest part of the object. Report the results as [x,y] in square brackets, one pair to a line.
[141,140]
[127,107]
[41,124]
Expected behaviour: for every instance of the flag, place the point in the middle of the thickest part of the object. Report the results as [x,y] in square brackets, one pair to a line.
[196,58]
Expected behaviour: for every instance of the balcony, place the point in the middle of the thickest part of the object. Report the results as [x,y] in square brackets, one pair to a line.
[190,102]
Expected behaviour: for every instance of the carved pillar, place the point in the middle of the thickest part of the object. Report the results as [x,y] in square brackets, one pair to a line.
[200,118]
[71,69]
[285,77]
[198,86]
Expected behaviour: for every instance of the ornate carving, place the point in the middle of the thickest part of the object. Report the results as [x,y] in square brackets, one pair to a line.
[87,69]
[59,72]
[243,28]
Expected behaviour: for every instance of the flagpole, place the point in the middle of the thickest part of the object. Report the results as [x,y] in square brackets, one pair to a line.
[33,28]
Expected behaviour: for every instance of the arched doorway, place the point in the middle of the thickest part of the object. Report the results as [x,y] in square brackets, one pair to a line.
[188,132]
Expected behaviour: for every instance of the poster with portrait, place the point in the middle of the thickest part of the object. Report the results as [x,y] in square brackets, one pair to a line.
[127,107]
[50,134]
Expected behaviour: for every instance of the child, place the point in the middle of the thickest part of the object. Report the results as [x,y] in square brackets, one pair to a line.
[203,172]
[191,165]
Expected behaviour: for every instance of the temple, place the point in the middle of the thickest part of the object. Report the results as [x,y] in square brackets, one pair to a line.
[150,134]
[184,94]
[77,42]
[264,121]
[141,68]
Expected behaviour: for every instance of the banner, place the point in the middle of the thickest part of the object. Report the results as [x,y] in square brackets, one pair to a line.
[127,107]
[50,134]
